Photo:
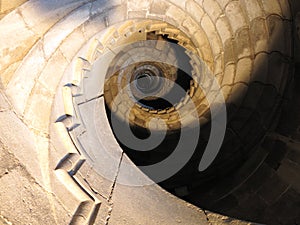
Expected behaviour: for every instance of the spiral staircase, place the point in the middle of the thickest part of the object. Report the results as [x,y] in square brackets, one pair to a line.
[60,160]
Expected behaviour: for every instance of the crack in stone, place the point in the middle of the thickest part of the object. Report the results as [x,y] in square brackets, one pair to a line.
[62,53]
[207,218]
[92,99]
[112,191]
[19,12]
[115,180]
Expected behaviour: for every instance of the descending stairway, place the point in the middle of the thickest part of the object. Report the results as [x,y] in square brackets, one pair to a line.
[61,68]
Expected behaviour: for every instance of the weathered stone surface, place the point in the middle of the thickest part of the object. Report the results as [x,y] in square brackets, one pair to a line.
[253,8]
[223,3]
[40,16]
[286,9]
[159,7]
[138,5]
[7,161]
[259,35]
[137,14]
[19,88]
[241,42]
[189,26]
[229,74]
[243,70]
[235,15]
[7,5]
[273,8]
[194,10]
[213,9]
[211,32]
[16,39]
[88,29]
[63,28]
[39,106]
[20,141]
[4,105]
[27,203]
[150,213]
[224,29]
[32,80]
[175,14]
[53,71]
[229,52]
[8,73]
[217,219]
[121,11]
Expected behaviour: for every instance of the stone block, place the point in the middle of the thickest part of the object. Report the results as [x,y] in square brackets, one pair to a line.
[56,35]
[189,26]
[137,14]
[175,14]
[229,74]
[92,27]
[4,105]
[194,10]
[39,108]
[285,9]
[280,35]
[212,34]
[243,70]
[121,11]
[271,8]
[201,41]
[224,29]
[212,8]
[277,70]
[259,35]
[235,15]
[138,5]
[8,73]
[242,43]
[159,7]
[223,3]
[74,41]
[239,90]
[260,68]
[20,87]
[16,39]
[53,71]
[40,16]
[21,142]
[253,9]
[229,52]
[7,5]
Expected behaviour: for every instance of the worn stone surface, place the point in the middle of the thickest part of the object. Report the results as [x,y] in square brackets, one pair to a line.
[6,6]
[156,211]
[4,105]
[16,39]
[26,202]
[40,39]
[217,219]
[40,16]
